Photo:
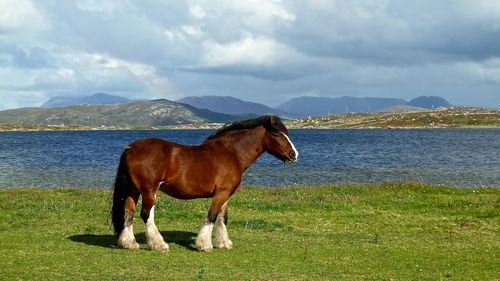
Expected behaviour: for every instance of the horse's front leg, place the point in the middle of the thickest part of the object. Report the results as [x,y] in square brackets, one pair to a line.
[221,237]
[204,239]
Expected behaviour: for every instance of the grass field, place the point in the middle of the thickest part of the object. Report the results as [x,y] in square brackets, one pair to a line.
[335,232]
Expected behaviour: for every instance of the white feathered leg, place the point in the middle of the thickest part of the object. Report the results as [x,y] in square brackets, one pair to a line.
[153,237]
[126,239]
[221,237]
[204,239]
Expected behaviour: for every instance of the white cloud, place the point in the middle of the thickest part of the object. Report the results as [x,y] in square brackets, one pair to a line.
[21,15]
[101,72]
[262,14]
[226,17]
[84,73]
[249,50]
[197,11]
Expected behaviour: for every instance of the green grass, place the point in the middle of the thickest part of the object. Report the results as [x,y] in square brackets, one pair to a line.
[335,232]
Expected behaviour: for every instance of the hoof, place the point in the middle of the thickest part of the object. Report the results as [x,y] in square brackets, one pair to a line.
[204,238]
[130,245]
[204,248]
[126,240]
[159,247]
[228,244]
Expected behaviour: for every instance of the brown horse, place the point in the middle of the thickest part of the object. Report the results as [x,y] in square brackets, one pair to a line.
[212,169]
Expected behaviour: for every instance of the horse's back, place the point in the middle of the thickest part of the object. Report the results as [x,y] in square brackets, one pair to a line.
[146,144]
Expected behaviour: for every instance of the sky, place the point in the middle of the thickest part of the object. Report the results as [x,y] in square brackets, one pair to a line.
[255,50]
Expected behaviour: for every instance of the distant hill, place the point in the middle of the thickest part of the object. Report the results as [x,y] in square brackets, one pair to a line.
[429,102]
[313,106]
[133,114]
[450,117]
[230,105]
[99,98]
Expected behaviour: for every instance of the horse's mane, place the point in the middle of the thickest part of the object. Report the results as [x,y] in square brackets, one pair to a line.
[272,123]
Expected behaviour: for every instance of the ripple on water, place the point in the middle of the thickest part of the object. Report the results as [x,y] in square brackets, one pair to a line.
[458,157]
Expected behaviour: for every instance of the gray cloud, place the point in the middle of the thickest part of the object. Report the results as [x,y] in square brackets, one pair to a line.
[25,57]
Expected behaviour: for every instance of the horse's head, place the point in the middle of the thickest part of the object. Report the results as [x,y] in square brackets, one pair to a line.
[277,141]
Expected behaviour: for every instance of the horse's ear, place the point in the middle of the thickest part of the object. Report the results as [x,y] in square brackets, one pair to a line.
[272,119]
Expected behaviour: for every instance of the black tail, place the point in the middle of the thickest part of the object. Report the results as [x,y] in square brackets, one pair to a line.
[123,183]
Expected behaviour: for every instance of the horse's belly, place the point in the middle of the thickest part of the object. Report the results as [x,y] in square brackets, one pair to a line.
[186,192]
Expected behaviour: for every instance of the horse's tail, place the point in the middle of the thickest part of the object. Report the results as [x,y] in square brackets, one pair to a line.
[123,184]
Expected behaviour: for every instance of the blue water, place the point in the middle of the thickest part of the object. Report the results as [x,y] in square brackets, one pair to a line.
[459,157]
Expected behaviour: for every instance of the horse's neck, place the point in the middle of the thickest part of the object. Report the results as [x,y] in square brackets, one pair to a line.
[246,145]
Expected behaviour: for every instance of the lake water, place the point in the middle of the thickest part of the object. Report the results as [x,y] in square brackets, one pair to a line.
[458,157]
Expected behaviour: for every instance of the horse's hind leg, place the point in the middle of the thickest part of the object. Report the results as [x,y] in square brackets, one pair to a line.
[153,237]
[221,237]
[126,239]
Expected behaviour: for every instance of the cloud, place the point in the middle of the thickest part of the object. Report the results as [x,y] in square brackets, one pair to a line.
[21,99]
[265,51]
[106,6]
[80,73]
[249,50]
[253,15]
[486,72]
[395,32]
[21,15]
[24,57]
[197,11]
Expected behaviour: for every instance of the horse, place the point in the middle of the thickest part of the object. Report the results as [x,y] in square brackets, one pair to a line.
[212,169]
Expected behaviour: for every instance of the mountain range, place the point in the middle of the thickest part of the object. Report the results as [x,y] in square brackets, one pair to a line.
[107,110]
[230,105]
[294,108]
[429,102]
[313,106]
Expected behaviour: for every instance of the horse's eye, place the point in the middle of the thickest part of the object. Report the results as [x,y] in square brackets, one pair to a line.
[275,134]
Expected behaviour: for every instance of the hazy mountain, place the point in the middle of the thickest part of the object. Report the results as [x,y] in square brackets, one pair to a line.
[429,102]
[230,105]
[99,98]
[136,113]
[311,106]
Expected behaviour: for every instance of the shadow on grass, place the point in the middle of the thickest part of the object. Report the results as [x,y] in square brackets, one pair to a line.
[181,238]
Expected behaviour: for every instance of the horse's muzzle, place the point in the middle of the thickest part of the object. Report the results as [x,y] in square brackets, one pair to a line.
[291,158]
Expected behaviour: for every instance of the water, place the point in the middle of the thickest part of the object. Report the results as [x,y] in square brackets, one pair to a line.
[458,157]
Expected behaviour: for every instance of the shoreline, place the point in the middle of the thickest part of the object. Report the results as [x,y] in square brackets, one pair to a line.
[442,118]
[339,184]
[81,129]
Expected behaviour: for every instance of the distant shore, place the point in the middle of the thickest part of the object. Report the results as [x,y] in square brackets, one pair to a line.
[36,128]
[458,117]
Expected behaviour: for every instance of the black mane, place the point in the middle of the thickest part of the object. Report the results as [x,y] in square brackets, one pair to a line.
[272,123]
